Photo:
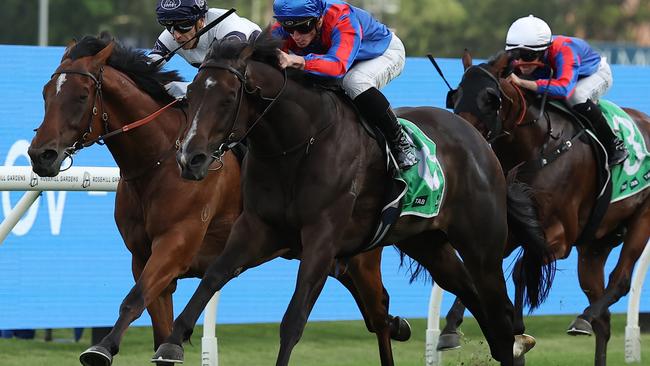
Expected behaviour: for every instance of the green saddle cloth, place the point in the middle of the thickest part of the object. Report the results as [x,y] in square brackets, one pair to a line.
[425,181]
[633,175]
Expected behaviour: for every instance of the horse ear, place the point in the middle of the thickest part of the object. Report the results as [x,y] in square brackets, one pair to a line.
[501,63]
[105,36]
[102,56]
[467,59]
[68,48]
[247,52]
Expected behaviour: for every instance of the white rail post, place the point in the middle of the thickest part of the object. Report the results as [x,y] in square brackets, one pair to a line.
[432,356]
[632,330]
[209,346]
[16,213]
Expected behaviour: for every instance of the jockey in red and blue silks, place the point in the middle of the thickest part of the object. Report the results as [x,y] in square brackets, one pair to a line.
[579,74]
[331,38]
[571,59]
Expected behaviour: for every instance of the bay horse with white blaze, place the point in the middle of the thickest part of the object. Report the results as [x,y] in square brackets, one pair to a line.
[313,187]
[173,227]
[565,187]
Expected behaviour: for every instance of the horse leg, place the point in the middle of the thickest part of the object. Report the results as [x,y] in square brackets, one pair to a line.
[161,311]
[482,253]
[316,259]
[364,277]
[169,258]
[448,271]
[450,335]
[597,313]
[591,273]
[251,243]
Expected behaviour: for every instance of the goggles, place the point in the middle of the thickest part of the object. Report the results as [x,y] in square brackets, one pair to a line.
[180,27]
[302,26]
[527,55]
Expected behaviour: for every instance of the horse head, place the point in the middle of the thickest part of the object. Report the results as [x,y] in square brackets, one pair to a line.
[72,110]
[486,99]
[98,78]
[236,85]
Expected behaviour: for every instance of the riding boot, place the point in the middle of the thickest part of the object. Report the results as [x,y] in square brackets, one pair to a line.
[375,108]
[616,150]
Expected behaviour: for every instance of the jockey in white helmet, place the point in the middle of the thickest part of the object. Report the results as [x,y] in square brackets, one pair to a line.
[579,74]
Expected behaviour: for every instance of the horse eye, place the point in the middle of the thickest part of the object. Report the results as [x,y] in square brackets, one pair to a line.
[83,98]
[228,101]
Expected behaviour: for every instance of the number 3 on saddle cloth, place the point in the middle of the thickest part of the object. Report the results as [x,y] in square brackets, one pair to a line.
[417,191]
[633,175]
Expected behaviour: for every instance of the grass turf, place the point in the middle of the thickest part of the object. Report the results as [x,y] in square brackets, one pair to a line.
[328,343]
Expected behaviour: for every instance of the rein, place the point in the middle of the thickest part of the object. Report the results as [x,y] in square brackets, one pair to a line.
[100,139]
[545,157]
[218,154]
[82,143]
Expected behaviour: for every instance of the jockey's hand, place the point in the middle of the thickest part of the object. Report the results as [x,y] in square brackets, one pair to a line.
[513,78]
[526,84]
[293,61]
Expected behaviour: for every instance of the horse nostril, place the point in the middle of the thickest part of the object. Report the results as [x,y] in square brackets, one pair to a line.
[198,160]
[48,156]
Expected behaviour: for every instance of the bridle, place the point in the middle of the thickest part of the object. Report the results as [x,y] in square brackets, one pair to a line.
[82,142]
[503,115]
[545,158]
[231,141]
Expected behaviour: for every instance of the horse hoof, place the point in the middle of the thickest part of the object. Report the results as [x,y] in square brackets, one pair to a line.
[400,329]
[448,342]
[168,353]
[580,327]
[96,356]
[523,344]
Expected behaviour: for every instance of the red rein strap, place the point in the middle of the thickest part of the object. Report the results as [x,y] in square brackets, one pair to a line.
[524,106]
[147,119]
[516,64]
[133,125]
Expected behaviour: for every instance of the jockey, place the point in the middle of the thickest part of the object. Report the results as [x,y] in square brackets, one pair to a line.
[580,75]
[182,19]
[331,38]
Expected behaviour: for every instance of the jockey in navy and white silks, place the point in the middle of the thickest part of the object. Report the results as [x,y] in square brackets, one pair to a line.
[580,75]
[332,38]
[182,19]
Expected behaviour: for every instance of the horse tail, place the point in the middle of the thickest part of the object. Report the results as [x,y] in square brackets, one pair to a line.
[536,266]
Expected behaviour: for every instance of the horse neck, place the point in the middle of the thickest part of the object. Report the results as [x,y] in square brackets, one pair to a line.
[298,114]
[141,147]
[527,134]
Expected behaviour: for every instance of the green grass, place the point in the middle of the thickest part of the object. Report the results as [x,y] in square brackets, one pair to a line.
[329,343]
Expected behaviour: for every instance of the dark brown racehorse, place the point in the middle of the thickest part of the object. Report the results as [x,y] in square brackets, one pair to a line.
[565,189]
[313,186]
[173,227]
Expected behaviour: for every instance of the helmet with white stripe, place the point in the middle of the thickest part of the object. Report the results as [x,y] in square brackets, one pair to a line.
[530,33]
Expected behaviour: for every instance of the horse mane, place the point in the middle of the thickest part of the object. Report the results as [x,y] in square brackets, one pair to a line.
[134,63]
[265,50]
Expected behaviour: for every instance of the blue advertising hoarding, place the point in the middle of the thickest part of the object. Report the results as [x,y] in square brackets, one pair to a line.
[65,265]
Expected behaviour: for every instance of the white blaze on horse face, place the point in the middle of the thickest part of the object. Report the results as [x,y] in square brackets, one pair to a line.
[193,127]
[59,83]
[209,83]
